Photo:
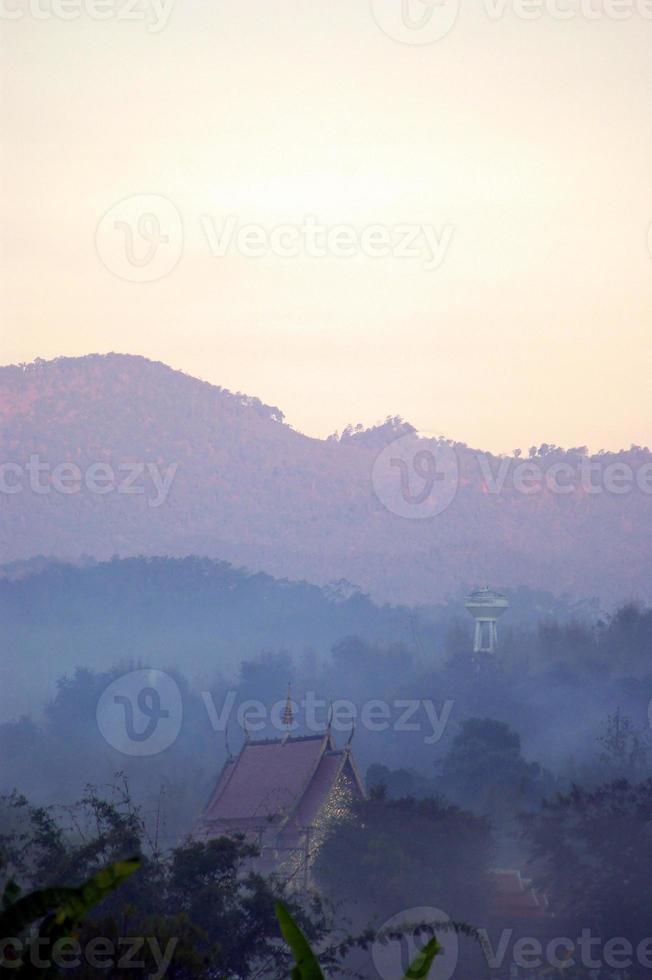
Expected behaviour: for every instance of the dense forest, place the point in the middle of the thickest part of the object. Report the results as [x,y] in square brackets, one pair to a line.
[534,759]
[202,617]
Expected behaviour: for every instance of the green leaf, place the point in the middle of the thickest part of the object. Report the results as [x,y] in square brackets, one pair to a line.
[307,967]
[30,908]
[95,889]
[11,894]
[68,905]
[421,965]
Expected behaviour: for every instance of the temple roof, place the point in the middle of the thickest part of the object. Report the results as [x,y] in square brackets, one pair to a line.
[516,896]
[274,778]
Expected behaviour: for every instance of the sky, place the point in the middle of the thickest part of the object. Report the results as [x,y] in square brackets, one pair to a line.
[349,209]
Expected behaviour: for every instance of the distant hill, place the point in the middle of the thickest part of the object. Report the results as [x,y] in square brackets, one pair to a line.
[200,616]
[250,490]
[204,618]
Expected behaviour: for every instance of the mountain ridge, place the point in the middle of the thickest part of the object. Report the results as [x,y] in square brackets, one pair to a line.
[250,489]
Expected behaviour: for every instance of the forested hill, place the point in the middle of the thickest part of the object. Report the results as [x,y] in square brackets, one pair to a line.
[198,470]
[199,615]
[203,617]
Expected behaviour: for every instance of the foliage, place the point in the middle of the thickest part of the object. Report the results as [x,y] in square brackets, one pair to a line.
[592,851]
[425,852]
[307,967]
[202,898]
[485,770]
[556,684]
[59,911]
[306,964]
[399,783]
[625,748]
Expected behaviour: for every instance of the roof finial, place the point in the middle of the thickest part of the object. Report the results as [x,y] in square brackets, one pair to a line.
[351,735]
[229,753]
[288,714]
[330,718]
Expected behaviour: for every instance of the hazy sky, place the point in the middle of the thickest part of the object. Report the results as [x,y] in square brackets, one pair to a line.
[524,146]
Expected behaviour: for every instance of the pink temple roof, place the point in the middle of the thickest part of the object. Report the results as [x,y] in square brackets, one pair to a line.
[516,896]
[320,786]
[268,778]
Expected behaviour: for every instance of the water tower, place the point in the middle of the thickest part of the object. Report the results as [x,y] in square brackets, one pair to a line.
[486,606]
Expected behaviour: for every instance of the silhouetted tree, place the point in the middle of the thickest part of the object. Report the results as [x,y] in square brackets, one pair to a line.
[592,851]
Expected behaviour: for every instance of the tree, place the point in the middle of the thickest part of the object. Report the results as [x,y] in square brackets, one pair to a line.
[624,748]
[418,852]
[398,783]
[201,901]
[485,770]
[209,883]
[592,852]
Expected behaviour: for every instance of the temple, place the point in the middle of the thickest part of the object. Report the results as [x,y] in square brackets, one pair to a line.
[283,794]
[516,897]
